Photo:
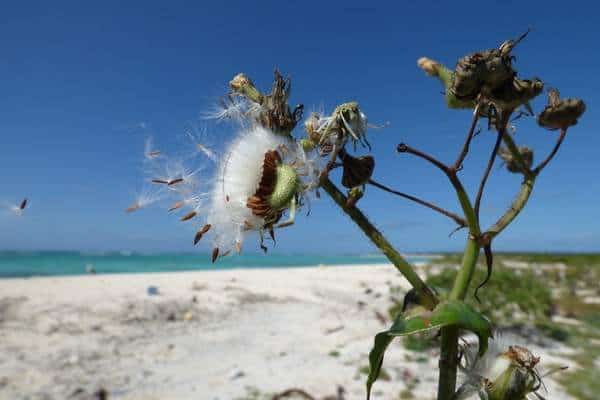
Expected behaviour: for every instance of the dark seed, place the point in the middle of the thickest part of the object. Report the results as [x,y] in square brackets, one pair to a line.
[175,206]
[160,181]
[23,204]
[215,254]
[189,216]
[175,181]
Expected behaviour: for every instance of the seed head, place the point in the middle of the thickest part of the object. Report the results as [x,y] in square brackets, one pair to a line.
[560,113]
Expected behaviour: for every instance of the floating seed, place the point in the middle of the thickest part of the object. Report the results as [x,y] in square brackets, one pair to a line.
[189,216]
[23,204]
[215,254]
[175,181]
[132,208]
[160,181]
[176,206]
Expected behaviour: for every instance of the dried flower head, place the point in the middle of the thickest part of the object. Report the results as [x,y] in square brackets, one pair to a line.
[512,165]
[331,133]
[560,113]
[505,372]
[270,111]
[357,170]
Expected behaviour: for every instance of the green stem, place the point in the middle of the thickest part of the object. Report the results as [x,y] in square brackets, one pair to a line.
[429,299]
[449,346]
[515,208]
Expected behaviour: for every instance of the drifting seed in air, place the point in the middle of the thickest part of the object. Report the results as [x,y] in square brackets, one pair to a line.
[215,254]
[160,181]
[174,181]
[189,216]
[153,154]
[23,204]
[134,207]
[201,233]
[176,206]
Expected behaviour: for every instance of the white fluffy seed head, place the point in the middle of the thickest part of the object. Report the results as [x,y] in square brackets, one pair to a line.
[478,373]
[218,188]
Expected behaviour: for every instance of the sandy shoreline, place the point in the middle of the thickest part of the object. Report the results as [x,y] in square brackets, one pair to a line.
[206,335]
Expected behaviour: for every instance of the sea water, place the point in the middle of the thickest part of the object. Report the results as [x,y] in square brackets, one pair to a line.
[51,263]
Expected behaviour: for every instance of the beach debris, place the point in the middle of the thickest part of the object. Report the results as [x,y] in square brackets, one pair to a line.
[152,291]
[90,269]
[198,286]
[329,331]
[236,374]
[295,393]
[380,317]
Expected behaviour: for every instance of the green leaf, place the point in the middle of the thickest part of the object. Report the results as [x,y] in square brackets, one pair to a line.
[452,312]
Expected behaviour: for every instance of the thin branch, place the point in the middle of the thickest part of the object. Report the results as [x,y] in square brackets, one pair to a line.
[539,168]
[515,208]
[404,148]
[488,170]
[430,300]
[470,134]
[463,198]
[459,220]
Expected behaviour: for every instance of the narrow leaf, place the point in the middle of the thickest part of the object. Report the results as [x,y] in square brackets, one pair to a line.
[453,312]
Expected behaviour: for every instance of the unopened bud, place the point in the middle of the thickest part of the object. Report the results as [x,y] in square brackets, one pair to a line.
[243,85]
[428,65]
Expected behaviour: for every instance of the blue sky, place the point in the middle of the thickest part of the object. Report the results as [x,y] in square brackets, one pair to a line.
[79,80]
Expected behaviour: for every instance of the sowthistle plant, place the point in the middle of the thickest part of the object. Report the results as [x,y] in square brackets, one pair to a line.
[266,173]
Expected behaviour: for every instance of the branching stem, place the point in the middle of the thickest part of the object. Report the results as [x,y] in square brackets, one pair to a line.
[561,138]
[456,218]
[465,150]
[488,169]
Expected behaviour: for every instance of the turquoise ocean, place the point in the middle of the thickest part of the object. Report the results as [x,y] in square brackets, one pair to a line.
[53,263]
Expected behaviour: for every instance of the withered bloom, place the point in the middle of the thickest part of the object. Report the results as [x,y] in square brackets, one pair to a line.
[270,111]
[512,165]
[506,371]
[560,113]
[357,170]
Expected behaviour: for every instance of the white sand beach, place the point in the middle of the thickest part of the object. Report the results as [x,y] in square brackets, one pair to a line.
[207,335]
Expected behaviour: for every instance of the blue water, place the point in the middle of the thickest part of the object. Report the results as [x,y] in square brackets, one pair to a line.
[52,263]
